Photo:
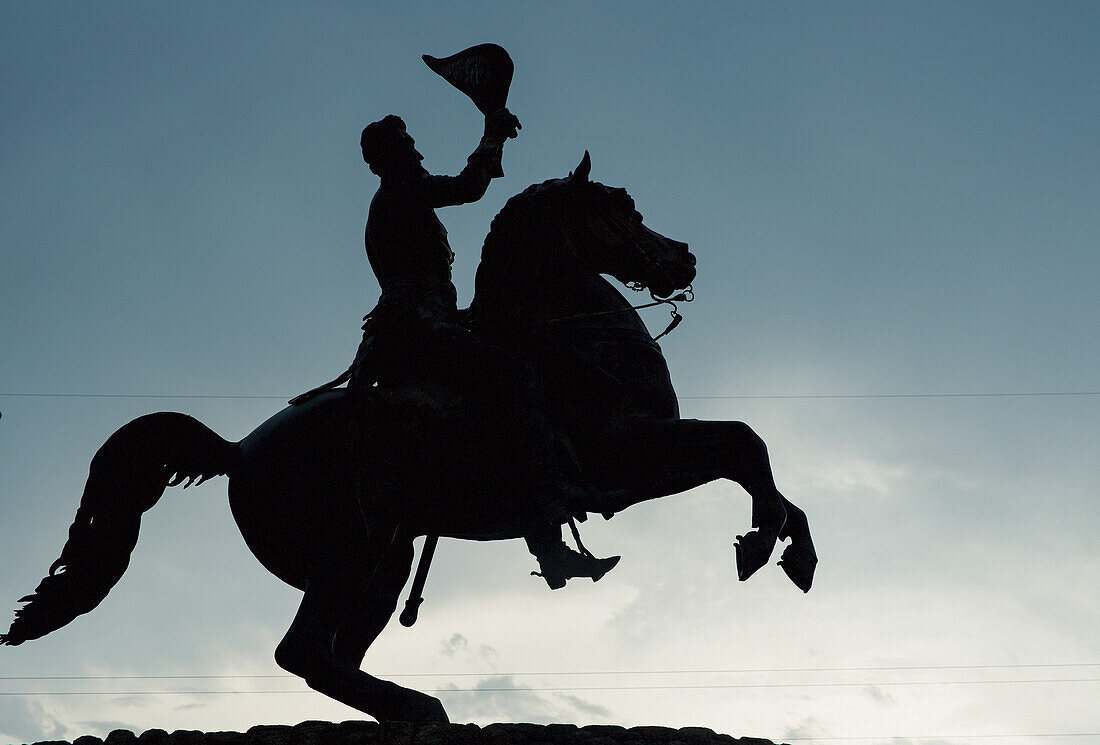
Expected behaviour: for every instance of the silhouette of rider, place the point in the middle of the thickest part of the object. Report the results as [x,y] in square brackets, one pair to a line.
[413,336]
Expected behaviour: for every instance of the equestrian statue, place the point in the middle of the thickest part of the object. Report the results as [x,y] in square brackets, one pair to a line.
[546,400]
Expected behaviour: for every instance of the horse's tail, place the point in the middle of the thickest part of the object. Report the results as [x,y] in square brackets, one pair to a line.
[127,477]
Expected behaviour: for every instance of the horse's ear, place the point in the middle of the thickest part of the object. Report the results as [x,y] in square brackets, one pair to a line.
[583,170]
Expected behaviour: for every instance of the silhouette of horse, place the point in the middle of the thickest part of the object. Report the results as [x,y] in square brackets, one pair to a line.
[294,481]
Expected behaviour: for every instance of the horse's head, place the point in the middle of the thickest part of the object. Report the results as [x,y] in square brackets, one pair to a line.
[573,225]
[606,235]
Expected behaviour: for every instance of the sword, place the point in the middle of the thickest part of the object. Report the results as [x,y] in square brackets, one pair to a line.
[416,593]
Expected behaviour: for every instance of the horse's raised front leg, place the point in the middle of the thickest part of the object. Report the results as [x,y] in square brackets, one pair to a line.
[799,560]
[656,458]
[342,613]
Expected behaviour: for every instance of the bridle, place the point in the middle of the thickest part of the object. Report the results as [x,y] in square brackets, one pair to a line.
[685,296]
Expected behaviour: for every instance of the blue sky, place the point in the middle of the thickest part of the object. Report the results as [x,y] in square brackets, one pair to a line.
[883,198]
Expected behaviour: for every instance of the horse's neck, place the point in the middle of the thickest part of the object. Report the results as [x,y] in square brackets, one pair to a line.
[539,289]
[533,301]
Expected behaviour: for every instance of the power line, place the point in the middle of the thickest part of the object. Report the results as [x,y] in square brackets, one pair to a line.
[138,395]
[1024,394]
[549,689]
[947,737]
[708,671]
[768,397]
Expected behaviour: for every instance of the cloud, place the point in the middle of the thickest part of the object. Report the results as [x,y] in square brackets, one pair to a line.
[106,726]
[501,698]
[457,643]
[459,647]
[808,727]
[583,706]
[879,695]
[26,720]
[189,707]
[856,475]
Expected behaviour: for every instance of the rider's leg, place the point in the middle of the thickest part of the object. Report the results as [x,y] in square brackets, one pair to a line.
[559,563]
[509,391]
[556,483]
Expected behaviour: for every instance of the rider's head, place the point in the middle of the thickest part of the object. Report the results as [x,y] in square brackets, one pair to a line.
[388,148]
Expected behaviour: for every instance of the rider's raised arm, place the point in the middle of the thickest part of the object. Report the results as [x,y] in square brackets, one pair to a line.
[482,166]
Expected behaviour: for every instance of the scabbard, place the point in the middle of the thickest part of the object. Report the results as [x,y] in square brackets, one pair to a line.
[416,593]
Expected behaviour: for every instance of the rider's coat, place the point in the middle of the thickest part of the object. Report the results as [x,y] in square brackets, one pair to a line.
[408,333]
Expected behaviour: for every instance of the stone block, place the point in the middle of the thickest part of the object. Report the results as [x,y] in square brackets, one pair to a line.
[185,737]
[565,734]
[702,736]
[613,731]
[515,734]
[651,735]
[270,734]
[120,737]
[397,733]
[448,734]
[313,732]
[358,732]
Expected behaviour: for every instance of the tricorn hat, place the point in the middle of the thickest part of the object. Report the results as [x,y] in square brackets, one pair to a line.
[482,72]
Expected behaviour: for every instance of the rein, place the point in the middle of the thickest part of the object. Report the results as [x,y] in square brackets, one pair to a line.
[683,297]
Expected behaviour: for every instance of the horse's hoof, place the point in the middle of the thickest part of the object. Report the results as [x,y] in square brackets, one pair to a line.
[753,551]
[799,564]
[428,710]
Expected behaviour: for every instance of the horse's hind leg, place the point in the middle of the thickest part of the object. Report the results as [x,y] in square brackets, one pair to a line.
[339,617]
[374,605]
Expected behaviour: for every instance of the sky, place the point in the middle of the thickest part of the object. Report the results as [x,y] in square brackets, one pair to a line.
[891,205]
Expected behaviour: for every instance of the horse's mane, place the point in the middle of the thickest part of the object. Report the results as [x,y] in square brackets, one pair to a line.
[511,226]
[530,226]
[511,236]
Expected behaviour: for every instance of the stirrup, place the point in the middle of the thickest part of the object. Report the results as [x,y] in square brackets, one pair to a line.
[568,564]
[577,537]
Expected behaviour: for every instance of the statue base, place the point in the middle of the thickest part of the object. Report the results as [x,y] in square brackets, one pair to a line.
[401,733]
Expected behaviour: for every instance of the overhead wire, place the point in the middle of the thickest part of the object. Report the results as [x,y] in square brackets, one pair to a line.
[746,397]
[552,689]
[946,737]
[696,671]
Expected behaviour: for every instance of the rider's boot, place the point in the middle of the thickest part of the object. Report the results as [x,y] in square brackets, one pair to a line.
[555,494]
[559,563]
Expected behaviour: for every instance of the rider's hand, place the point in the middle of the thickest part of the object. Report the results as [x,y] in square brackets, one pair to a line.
[502,123]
